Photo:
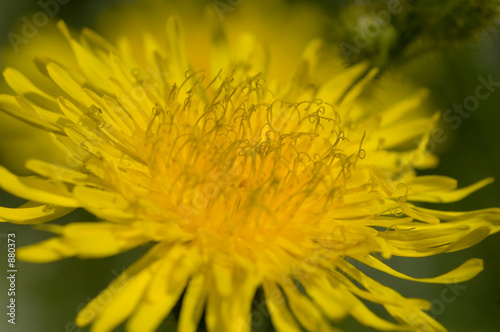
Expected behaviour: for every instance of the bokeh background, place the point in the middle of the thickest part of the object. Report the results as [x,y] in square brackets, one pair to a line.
[49,295]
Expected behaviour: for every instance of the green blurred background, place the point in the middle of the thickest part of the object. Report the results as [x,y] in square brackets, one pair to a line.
[49,295]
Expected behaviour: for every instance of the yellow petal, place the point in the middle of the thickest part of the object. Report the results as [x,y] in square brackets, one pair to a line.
[239,303]
[487,214]
[11,106]
[46,251]
[93,68]
[332,304]
[103,202]
[223,276]
[147,264]
[355,91]
[449,196]
[410,211]
[307,312]
[24,87]
[70,110]
[120,301]
[62,173]
[176,49]
[466,271]
[193,304]
[397,111]
[215,312]
[419,240]
[32,213]
[36,189]
[364,315]
[100,239]
[92,39]
[406,311]
[282,318]
[85,240]
[66,82]
[336,87]
[121,73]
[430,183]
[167,285]
[54,118]
[402,133]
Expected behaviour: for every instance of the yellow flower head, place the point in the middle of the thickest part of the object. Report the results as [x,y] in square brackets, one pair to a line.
[238,179]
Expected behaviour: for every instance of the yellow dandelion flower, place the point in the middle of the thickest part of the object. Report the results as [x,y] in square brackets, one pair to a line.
[238,181]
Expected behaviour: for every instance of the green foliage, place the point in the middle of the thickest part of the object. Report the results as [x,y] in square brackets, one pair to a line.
[393,31]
